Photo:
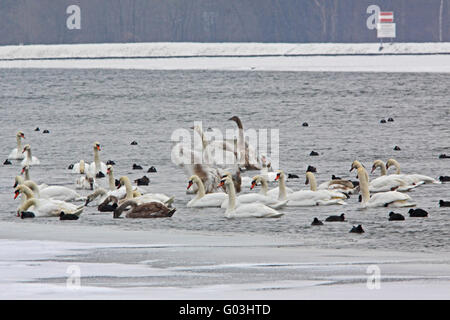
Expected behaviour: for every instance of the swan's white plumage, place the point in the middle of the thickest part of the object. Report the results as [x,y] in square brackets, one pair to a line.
[205,200]
[16,153]
[247,210]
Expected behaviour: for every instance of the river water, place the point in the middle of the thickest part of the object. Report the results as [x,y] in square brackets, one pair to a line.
[343,110]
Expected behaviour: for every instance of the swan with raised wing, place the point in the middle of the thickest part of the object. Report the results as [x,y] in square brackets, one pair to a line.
[16,153]
[247,155]
[246,210]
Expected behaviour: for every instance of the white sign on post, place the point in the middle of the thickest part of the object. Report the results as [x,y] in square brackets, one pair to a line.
[386,30]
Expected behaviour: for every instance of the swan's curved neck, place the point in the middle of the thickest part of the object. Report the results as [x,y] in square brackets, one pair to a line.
[112,184]
[27,174]
[19,180]
[383,169]
[33,187]
[82,167]
[312,181]
[27,204]
[19,143]
[96,193]
[363,185]
[200,188]
[396,165]
[128,188]
[27,192]
[231,196]
[123,206]
[29,154]
[264,186]
[96,161]
[282,188]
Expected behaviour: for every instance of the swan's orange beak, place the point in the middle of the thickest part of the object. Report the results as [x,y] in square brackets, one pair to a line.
[23,150]
[118,185]
[220,184]
[108,171]
[98,147]
[278,177]
[22,135]
[190,184]
[16,194]
[253,185]
[373,169]
[18,213]
[23,170]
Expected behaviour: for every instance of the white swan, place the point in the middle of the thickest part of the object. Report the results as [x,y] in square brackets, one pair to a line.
[97,166]
[270,176]
[281,191]
[261,197]
[314,197]
[411,178]
[26,172]
[54,192]
[29,159]
[16,154]
[80,167]
[148,197]
[388,182]
[45,207]
[100,194]
[380,199]
[86,182]
[205,200]
[247,210]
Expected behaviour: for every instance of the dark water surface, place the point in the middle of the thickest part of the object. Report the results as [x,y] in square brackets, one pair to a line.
[343,110]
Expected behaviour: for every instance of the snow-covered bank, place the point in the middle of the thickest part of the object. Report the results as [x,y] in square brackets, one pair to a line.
[419,63]
[346,57]
[117,264]
[182,49]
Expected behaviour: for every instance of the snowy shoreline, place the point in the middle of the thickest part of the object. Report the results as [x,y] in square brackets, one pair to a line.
[191,49]
[318,57]
[118,264]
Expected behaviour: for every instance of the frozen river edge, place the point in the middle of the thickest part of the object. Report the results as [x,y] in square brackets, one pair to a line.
[334,57]
[38,260]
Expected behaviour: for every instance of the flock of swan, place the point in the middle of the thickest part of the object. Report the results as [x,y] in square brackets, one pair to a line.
[211,183]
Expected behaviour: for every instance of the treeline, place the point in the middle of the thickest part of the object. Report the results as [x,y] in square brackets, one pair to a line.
[48,21]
